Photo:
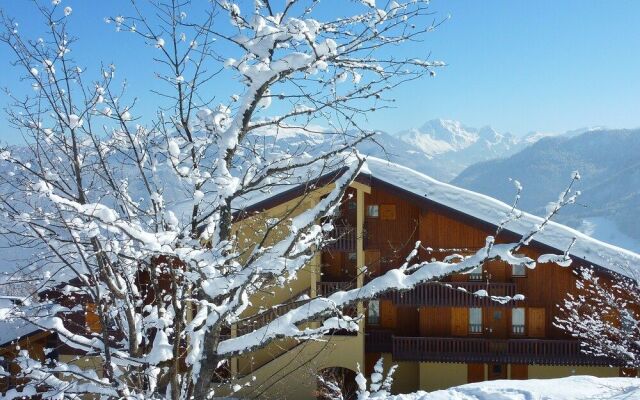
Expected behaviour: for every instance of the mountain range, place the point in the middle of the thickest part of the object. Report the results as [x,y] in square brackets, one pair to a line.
[444,148]
[609,164]
[486,161]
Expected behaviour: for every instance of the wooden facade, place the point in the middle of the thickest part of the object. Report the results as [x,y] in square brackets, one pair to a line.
[445,322]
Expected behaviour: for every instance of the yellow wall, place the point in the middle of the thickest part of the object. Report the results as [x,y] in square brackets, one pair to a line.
[294,375]
[546,371]
[406,379]
[435,376]
[251,229]
[286,369]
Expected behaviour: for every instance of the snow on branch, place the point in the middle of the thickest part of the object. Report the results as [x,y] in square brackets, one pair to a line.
[127,222]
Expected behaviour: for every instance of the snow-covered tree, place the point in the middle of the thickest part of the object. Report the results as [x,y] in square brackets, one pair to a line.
[132,216]
[605,315]
[379,384]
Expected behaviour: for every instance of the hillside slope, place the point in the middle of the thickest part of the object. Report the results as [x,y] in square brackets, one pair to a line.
[608,161]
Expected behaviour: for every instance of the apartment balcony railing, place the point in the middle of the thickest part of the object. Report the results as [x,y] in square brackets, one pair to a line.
[249,324]
[343,239]
[475,328]
[517,329]
[480,350]
[378,341]
[453,294]
[325,289]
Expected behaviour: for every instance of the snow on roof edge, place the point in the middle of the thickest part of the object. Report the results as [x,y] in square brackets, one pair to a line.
[491,210]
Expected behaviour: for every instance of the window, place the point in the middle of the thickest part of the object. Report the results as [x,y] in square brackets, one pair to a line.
[518,270]
[476,274]
[373,312]
[475,320]
[517,321]
[372,211]
[521,269]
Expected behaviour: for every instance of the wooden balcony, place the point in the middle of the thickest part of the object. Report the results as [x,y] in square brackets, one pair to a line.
[480,350]
[325,289]
[453,294]
[343,239]
[249,324]
[378,341]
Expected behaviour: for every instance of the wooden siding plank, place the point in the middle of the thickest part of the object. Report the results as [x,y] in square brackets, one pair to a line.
[519,371]
[459,321]
[536,322]
[388,316]
[435,321]
[475,373]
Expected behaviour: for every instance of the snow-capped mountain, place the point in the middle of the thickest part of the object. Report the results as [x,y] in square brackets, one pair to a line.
[440,148]
[440,136]
[453,146]
[383,145]
[608,162]
[532,137]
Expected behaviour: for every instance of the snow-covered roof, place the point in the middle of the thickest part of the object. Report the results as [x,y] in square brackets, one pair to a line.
[12,328]
[493,211]
[483,208]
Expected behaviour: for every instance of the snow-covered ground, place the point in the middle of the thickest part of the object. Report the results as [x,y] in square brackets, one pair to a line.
[571,388]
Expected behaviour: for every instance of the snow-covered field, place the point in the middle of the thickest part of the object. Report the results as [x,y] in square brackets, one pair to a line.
[572,388]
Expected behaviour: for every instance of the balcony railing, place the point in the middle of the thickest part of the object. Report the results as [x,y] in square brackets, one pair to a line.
[249,324]
[517,329]
[378,341]
[453,294]
[325,289]
[480,350]
[343,239]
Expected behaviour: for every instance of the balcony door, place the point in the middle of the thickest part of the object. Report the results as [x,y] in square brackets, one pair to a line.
[496,322]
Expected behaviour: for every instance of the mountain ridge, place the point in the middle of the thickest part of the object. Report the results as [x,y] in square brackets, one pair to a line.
[606,159]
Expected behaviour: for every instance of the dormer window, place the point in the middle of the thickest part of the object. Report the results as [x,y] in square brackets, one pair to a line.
[518,270]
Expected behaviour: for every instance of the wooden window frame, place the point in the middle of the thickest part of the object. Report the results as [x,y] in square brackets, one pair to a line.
[376,319]
[475,328]
[523,274]
[518,329]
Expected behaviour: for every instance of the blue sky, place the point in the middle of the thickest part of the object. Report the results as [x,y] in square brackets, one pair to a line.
[518,66]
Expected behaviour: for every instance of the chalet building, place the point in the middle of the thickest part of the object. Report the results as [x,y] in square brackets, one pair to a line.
[438,334]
